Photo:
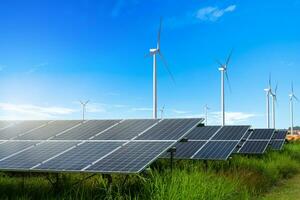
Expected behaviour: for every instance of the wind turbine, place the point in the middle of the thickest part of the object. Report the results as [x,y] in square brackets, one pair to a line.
[223,69]
[206,108]
[274,101]
[162,112]
[292,96]
[153,53]
[268,93]
[83,104]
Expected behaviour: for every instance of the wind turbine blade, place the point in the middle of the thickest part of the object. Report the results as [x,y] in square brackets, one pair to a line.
[270,82]
[292,88]
[228,58]
[159,32]
[147,55]
[227,78]
[219,62]
[295,97]
[166,66]
[276,89]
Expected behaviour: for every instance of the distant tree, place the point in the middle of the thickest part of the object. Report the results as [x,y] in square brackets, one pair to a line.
[295,128]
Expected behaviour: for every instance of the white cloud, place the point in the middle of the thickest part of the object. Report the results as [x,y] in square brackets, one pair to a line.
[37,67]
[28,111]
[213,13]
[141,109]
[231,117]
[179,112]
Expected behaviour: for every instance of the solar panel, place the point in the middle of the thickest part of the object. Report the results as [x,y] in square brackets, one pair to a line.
[103,147]
[277,144]
[185,150]
[35,155]
[131,158]
[231,133]
[203,133]
[127,129]
[20,128]
[87,130]
[216,150]
[4,124]
[10,147]
[280,134]
[79,157]
[258,134]
[50,130]
[170,129]
[254,147]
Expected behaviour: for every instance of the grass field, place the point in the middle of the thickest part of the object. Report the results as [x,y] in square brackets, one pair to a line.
[286,190]
[242,177]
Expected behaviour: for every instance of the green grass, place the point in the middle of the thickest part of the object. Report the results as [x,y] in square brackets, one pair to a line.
[243,177]
[286,190]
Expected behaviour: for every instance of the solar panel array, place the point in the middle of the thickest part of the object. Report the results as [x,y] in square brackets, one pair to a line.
[210,142]
[105,146]
[257,141]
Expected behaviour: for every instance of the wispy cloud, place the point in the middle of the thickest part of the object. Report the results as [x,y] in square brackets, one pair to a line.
[232,117]
[142,109]
[29,111]
[213,13]
[205,14]
[37,67]
[119,6]
[2,67]
[179,112]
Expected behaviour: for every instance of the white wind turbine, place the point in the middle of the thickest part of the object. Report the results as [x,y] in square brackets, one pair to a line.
[292,97]
[83,104]
[223,69]
[206,108]
[274,101]
[154,52]
[268,93]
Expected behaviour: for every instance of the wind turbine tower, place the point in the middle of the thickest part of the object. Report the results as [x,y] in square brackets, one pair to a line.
[153,53]
[83,104]
[206,108]
[292,97]
[223,69]
[268,93]
[274,101]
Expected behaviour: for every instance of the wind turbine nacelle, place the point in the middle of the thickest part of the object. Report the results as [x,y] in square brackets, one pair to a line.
[153,51]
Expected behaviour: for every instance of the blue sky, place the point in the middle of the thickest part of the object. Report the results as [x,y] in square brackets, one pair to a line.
[54,53]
